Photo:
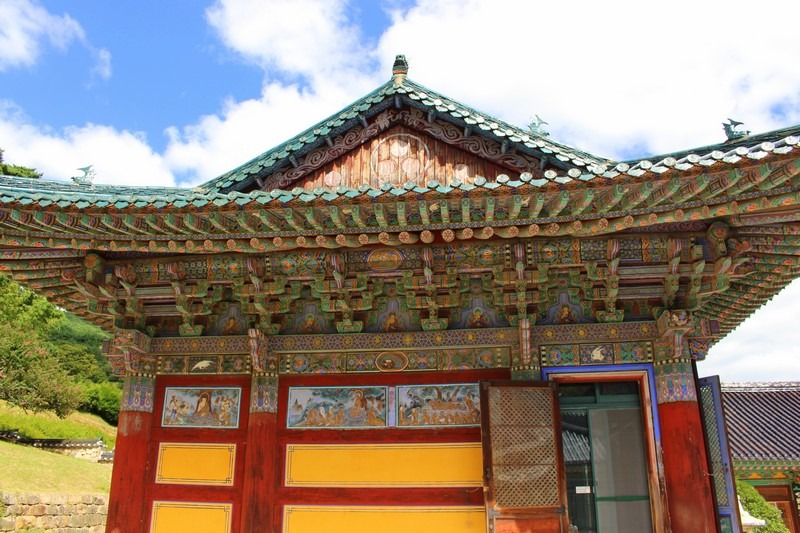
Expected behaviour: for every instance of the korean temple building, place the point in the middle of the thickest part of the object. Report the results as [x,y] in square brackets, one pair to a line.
[416,317]
[763,428]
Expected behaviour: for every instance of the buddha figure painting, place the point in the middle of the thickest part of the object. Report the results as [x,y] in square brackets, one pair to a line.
[201,407]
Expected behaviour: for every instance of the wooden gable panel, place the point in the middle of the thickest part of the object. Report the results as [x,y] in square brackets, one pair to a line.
[402,155]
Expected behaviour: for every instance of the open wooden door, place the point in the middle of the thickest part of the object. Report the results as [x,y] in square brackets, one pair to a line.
[522,457]
[719,456]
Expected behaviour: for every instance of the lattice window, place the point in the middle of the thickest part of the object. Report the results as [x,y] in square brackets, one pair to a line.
[523,447]
[715,453]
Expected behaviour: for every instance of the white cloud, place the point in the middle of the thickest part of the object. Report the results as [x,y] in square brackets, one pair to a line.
[613,78]
[608,76]
[102,64]
[314,39]
[26,24]
[120,157]
[320,52]
[242,130]
[764,347]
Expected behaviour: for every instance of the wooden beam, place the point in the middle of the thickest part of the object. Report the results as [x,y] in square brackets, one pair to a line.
[312,219]
[193,223]
[336,217]
[400,209]
[490,201]
[288,214]
[466,214]
[380,216]
[423,213]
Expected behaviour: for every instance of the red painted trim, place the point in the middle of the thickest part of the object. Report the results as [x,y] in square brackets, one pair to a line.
[689,493]
[127,507]
[471,496]
[260,475]
[239,436]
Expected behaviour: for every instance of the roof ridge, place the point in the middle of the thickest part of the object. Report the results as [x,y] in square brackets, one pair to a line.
[755,386]
[562,154]
[751,140]
[545,138]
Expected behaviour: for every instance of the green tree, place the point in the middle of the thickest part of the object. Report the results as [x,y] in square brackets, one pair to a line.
[77,345]
[22,308]
[50,359]
[7,169]
[32,378]
[758,507]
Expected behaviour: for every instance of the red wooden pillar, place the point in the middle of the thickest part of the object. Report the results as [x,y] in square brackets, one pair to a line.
[260,469]
[127,511]
[686,473]
[689,493]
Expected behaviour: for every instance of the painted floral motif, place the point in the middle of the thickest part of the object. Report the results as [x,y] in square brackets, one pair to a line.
[634,352]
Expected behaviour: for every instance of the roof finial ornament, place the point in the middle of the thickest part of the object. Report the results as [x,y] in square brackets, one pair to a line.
[88,176]
[536,124]
[400,69]
[731,132]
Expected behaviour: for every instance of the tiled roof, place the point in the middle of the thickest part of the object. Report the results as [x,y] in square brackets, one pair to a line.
[399,92]
[221,192]
[44,193]
[763,420]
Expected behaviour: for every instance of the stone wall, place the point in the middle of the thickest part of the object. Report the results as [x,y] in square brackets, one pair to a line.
[90,449]
[74,513]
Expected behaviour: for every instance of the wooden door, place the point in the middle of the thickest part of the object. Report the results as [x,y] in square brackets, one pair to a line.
[522,456]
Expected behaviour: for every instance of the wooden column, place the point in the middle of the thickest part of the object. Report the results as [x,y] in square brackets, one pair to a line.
[126,507]
[260,470]
[688,486]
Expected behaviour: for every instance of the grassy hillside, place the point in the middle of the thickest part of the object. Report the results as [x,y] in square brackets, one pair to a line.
[48,426]
[27,469]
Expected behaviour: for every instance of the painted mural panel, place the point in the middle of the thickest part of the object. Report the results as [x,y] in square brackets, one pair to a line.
[438,405]
[194,407]
[337,407]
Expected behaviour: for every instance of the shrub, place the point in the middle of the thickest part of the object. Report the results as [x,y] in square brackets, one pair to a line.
[103,400]
[758,507]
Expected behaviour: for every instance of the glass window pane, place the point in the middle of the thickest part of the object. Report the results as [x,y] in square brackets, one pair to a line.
[624,517]
[578,463]
[613,388]
[618,451]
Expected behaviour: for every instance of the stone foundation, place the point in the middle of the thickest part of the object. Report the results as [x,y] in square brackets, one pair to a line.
[74,513]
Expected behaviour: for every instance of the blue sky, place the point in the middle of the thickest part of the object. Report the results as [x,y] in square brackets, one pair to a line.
[163,93]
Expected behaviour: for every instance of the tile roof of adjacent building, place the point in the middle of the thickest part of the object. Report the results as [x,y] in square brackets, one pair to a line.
[763,420]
